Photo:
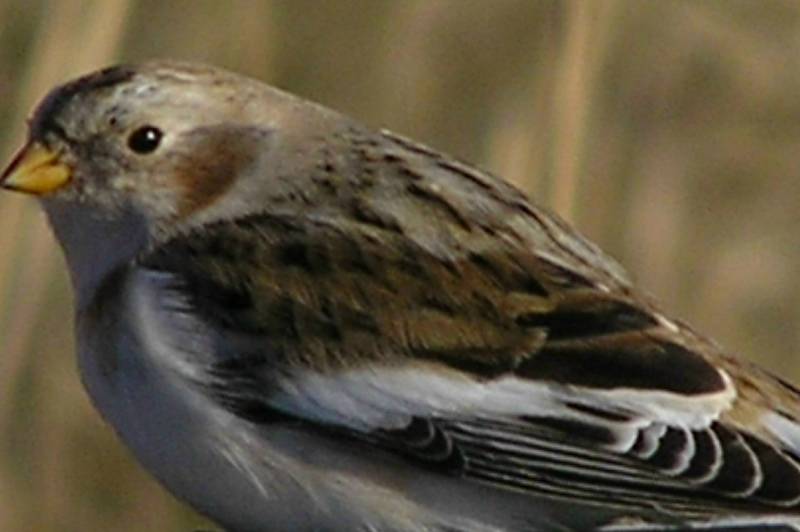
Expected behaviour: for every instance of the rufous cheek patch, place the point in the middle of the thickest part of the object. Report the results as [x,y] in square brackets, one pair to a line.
[213,160]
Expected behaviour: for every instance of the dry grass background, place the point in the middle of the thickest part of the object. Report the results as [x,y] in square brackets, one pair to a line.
[667,131]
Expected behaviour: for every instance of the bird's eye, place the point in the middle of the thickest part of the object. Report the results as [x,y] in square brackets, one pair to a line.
[145,139]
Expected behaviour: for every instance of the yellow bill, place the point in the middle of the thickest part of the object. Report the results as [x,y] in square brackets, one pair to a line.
[35,170]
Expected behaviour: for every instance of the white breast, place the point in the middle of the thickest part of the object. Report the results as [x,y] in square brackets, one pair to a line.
[136,373]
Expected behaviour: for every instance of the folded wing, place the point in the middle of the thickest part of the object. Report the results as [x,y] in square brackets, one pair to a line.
[524,365]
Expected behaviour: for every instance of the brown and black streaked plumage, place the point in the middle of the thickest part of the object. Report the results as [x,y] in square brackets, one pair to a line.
[341,329]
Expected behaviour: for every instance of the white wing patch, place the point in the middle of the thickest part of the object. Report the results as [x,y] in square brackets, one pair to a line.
[783,428]
[387,398]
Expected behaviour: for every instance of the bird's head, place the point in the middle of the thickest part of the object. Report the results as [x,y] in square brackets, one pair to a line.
[131,155]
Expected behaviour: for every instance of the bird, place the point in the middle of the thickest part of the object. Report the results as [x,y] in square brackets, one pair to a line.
[297,322]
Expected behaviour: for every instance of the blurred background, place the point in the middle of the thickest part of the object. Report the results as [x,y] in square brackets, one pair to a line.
[669,132]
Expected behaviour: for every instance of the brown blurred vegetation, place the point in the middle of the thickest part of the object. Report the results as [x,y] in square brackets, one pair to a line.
[667,131]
